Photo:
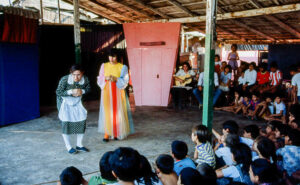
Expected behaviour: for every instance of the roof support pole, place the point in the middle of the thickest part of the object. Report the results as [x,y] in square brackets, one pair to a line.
[58,7]
[77,32]
[182,39]
[210,40]
[42,12]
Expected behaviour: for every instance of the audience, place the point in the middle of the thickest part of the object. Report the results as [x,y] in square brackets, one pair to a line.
[189,176]
[165,170]
[71,176]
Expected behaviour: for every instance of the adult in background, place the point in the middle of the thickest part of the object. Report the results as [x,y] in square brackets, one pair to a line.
[115,120]
[72,114]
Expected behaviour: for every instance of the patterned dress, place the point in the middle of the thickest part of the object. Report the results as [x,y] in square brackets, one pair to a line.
[66,84]
[115,118]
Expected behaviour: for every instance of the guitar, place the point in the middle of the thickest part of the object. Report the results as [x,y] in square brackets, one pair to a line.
[187,79]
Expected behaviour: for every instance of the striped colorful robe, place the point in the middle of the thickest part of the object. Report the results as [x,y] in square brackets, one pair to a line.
[115,118]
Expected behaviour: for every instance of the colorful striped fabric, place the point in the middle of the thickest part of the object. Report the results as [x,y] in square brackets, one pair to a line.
[206,154]
[275,77]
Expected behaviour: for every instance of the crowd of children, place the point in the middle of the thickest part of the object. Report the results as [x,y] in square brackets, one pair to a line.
[261,155]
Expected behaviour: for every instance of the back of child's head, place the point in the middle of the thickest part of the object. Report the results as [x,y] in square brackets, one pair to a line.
[273,124]
[165,163]
[231,140]
[125,162]
[208,174]
[265,171]
[296,123]
[283,129]
[179,149]
[274,65]
[294,137]
[266,148]
[231,126]
[71,176]
[253,130]
[202,133]
[105,166]
[242,155]
[145,172]
[264,66]
[190,176]
[295,110]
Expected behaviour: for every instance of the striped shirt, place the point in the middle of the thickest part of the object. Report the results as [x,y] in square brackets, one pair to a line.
[206,154]
[275,77]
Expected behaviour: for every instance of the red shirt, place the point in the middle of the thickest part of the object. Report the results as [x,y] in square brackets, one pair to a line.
[263,78]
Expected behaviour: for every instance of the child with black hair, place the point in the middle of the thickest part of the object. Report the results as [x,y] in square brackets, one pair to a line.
[263,172]
[189,176]
[281,131]
[246,103]
[295,124]
[146,176]
[262,79]
[235,105]
[250,77]
[252,109]
[179,153]
[125,164]
[208,174]
[225,79]
[224,153]
[204,152]
[71,176]
[275,80]
[271,128]
[164,170]
[241,155]
[294,113]
[280,111]
[265,149]
[290,153]
[106,176]
[251,131]
[264,108]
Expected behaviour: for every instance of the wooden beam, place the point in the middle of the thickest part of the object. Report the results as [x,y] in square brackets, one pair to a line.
[255,3]
[239,23]
[222,29]
[151,8]
[283,25]
[42,11]
[184,9]
[276,2]
[77,40]
[240,14]
[58,6]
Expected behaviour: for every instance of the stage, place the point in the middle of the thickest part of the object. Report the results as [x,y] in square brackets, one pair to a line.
[33,152]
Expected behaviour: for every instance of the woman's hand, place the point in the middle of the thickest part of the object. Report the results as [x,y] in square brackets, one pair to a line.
[76,92]
[113,78]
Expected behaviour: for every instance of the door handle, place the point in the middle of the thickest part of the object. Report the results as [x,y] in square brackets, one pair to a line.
[157,76]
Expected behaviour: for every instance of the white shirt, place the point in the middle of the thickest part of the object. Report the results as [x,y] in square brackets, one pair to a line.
[231,172]
[279,107]
[201,80]
[242,81]
[182,73]
[296,82]
[225,154]
[250,76]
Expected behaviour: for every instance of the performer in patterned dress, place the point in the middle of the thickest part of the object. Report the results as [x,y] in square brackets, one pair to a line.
[115,120]
[72,114]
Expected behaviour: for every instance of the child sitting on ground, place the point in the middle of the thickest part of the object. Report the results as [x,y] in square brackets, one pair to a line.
[236,104]
[281,131]
[280,111]
[204,152]
[208,174]
[164,170]
[224,154]
[146,176]
[189,176]
[179,153]
[244,106]
[71,175]
[253,106]
[106,176]
[265,148]
[264,108]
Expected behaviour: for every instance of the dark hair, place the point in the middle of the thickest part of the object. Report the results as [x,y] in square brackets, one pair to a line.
[266,148]
[274,65]
[76,67]
[253,130]
[293,68]
[266,172]
[179,149]
[71,176]
[112,53]
[217,56]
[234,45]
[252,64]
[242,155]
[263,65]
[283,129]
[202,133]
[125,163]
[273,124]
[187,64]
[105,166]
[295,110]
[294,136]
[146,175]
[209,176]
[232,126]
[229,67]
[190,176]
[165,163]
[232,139]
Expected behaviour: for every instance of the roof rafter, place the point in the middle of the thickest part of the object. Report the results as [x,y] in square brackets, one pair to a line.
[230,33]
[178,5]
[151,8]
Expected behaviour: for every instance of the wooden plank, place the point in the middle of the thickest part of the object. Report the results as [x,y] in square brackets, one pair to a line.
[151,8]
[239,14]
[184,9]
[209,64]
[77,32]
[42,11]
[234,35]
[58,6]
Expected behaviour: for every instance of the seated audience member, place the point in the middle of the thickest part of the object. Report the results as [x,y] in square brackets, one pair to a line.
[146,176]
[198,92]
[263,172]
[71,176]
[290,153]
[246,103]
[264,108]
[280,111]
[250,78]
[204,152]
[239,172]
[295,84]
[271,129]
[125,163]
[243,67]
[251,132]
[262,79]
[223,65]
[224,153]
[189,176]
[179,153]
[106,176]
[252,114]
[225,79]
[208,174]
[229,127]
[218,64]
[265,148]
[183,79]
[275,80]
[164,169]
[281,130]
[235,106]
[295,124]
[294,113]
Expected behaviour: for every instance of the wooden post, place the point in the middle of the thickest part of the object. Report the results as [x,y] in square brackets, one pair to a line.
[58,7]
[77,32]
[182,40]
[209,65]
[187,44]
[42,13]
